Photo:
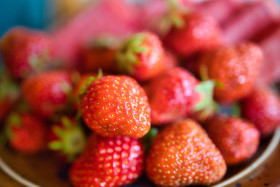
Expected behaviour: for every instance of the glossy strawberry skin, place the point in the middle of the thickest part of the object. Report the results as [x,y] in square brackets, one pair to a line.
[237,139]
[148,62]
[25,51]
[47,93]
[172,95]
[199,33]
[28,136]
[262,107]
[235,68]
[182,154]
[108,162]
[116,105]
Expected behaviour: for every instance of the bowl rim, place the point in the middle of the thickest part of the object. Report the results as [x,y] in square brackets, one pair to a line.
[266,154]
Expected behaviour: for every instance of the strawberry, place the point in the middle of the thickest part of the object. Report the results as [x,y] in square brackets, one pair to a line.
[141,56]
[116,105]
[26,134]
[175,94]
[106,162]
[8,95]
[182,154]
[237,139]
[66,138]
[193,33]
[26,51]
[262,107]
[99,54]
[234,68]
[47,93]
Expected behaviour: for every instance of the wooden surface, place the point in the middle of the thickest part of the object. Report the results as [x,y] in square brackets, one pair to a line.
[44,170]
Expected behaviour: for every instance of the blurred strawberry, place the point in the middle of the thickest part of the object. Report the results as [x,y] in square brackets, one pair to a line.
[262,108]
[26,51]
[100,54]
[182,154]
[237,139]
[47,93]
[115,18]
[234,68]
[26,134]
[108,162]
[66,138]
[177,93]
[141,56]
[193,33]
[116,105]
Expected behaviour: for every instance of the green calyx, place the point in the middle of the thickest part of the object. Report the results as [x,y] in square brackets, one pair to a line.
[207,105]
[203,71]
[127,56]
[148,138]
[173,18]
[8,88]
[71,140]
[88,82]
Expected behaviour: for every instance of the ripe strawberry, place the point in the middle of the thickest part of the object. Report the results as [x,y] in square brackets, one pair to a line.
[237,139]
[25,51]
[235,68]
[182,154]
[8,95]
[100,54]
[116,105]
[262,107]
[25,133]
[141,56]
[193,33]
[176,94]
[108,162]
[169,61]
[47,93]
[66,139]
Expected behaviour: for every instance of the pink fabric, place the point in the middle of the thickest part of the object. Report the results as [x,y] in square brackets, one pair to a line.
[251,20]
[270,72]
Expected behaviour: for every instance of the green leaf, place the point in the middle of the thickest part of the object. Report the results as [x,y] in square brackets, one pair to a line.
[206,89]
[148,138]
[55,145]
[66,122]
[236,111]
[14,120]
[58,132]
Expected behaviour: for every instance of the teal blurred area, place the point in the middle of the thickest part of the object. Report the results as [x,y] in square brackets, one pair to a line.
[29,13]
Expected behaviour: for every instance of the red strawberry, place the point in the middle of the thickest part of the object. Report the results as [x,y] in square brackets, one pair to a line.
[262,107]
[100,54]
[116,105]
[235,68]
[182,154]
[25,51]
[141,56]
[8,95]
[26,134]
[176,94]
[237,139]
[108,162]
[66,138]
[47,93]
[193,33]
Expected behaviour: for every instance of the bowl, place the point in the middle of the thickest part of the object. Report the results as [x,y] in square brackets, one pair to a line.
[45,171]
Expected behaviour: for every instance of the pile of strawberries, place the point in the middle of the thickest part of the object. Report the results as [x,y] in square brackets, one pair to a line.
[149,102]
